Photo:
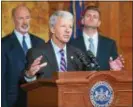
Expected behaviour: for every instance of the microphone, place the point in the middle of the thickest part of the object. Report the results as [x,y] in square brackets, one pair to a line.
[76,62]
[83,59]
[94,63]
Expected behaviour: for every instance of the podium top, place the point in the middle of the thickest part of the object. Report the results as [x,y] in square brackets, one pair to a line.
[60,78]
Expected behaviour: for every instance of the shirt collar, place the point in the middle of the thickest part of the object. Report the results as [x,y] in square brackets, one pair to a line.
[94,36]
[56,48]
[19,35]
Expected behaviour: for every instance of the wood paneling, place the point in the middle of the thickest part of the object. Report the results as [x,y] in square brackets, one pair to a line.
[58,5]
[125,23]
[116,20]
[39,14]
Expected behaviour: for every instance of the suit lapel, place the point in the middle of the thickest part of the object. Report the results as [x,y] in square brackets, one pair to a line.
[82,44]
[100,50]
[16,48]
[69,62]
[51,56]
[33,41]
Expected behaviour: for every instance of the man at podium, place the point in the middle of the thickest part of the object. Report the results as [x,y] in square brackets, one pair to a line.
[56,55]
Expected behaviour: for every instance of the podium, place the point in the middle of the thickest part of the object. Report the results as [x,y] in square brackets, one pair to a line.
[81,89]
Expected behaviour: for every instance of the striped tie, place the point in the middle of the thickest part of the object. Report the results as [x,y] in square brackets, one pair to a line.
[62,61]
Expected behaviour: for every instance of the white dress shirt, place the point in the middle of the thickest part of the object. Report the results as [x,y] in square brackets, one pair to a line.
[58,59]
[29,45]
[20,39]
[57,53]
[95,41]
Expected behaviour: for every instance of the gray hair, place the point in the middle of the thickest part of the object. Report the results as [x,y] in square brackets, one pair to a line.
[59,13]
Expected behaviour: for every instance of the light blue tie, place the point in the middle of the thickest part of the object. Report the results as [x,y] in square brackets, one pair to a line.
[25,47]
[91,46]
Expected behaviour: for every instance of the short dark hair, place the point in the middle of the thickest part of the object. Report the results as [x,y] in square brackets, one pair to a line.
[91,8]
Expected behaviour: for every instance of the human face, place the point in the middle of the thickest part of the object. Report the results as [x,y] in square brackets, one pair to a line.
[22,20]
[62,30]
[91,19]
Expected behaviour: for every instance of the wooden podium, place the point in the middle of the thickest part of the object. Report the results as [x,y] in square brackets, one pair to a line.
[81,89]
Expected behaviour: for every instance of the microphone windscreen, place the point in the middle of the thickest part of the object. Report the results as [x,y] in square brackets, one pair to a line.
[82,57]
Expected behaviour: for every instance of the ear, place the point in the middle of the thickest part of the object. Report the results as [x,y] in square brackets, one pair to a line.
[13,20]
[82,21]
[52,30]
[99,23]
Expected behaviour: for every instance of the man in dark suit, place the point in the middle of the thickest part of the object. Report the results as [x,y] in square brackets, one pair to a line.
[14,49]
[56,55]
[103,48]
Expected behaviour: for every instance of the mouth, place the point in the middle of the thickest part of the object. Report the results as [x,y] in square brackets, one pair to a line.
[66,35]
[25,26]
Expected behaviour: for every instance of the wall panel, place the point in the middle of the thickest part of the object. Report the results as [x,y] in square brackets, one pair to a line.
[116,20]
[39,14]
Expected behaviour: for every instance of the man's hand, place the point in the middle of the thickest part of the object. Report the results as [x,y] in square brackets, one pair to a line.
[117,64]
[35,67]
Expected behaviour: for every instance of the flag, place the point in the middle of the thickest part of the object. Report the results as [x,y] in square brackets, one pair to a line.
[76,8]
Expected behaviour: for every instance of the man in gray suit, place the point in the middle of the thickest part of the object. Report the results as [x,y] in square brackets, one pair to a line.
[56,55]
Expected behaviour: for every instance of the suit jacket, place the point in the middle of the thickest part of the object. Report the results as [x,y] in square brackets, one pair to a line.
[106,48]
[49,56]
[13,64]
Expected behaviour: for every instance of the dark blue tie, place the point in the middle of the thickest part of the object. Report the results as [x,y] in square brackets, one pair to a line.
[62,61]
[25,47]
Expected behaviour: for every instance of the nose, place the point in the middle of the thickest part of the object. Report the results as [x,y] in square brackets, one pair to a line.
[25,21]
[68,29]
[91,17]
